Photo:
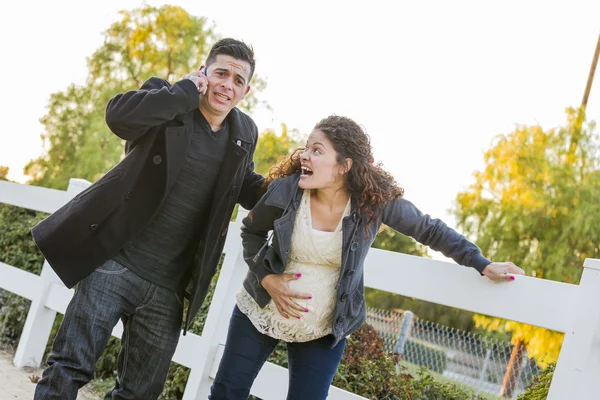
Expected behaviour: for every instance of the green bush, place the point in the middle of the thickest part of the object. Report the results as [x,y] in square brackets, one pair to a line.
[433,358]
[540,385]
[18,249]
[368,370]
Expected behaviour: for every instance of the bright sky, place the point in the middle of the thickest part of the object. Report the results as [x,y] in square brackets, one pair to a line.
[432,81]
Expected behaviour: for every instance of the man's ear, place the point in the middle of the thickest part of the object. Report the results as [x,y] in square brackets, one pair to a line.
[247,90]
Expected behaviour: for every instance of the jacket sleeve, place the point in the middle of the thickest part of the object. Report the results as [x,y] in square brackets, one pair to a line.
[404,217]
[255,228]
[252,186]
[131,114]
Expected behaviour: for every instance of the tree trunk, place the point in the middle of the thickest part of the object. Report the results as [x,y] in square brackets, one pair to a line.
[509,384]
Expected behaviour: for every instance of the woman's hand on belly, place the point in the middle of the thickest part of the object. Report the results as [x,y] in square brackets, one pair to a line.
[277,285]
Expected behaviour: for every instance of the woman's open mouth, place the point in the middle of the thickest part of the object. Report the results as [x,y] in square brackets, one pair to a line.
[306,171]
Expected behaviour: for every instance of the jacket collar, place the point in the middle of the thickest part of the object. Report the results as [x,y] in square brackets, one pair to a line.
[240,127]
[287,190]
[289,187]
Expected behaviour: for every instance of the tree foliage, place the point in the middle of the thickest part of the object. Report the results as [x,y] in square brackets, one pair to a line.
[536,203]
[163,41]
[272,147]
[541,344]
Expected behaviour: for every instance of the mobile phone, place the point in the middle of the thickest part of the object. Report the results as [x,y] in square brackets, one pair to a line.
[204,71]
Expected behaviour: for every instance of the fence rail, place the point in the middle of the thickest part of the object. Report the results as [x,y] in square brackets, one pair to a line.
[530,300]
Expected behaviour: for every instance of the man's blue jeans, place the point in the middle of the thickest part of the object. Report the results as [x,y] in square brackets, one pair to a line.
[312,364]
[152,319]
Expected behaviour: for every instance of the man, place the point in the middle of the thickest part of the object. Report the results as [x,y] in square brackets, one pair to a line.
[152,228]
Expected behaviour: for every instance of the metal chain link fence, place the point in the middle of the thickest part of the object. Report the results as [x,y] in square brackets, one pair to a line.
[488,366]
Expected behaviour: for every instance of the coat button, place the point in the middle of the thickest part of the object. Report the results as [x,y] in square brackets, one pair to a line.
[350,273]
[94,227]
[128,196]
[157,159]
[287,251]
[353,246]
[224,232]
[344,297]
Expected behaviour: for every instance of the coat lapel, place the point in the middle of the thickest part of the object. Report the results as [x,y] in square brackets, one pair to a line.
[177,142]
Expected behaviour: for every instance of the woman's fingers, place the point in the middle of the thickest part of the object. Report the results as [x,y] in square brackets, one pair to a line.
[515,270]
[293,308]
[283,297]
[288,308]
[281,310]
[497,271]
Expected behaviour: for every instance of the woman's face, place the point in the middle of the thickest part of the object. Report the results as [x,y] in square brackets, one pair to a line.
[320,168]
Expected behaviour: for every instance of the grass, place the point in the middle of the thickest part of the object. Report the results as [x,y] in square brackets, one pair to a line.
[101,386]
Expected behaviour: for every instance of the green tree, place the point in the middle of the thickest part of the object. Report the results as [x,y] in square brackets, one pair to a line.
[272,147]
[536,201]
[3,173]
[536,204]
[149,41]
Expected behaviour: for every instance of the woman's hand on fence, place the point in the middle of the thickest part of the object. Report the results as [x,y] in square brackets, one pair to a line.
[502,271]
[278,288]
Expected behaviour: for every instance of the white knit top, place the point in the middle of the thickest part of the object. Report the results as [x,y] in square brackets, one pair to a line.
[317,255]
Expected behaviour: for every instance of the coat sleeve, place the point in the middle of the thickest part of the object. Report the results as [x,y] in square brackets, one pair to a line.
[131,114]
[255,228]
[252,186]
[402,216]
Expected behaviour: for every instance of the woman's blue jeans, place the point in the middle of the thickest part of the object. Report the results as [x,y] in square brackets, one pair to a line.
[311,365]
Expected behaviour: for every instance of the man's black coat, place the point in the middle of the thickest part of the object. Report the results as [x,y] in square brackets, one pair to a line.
[157,123]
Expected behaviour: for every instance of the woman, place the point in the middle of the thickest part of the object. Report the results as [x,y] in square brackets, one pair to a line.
[305,287]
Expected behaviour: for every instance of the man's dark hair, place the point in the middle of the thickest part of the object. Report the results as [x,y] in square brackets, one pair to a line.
[234,48]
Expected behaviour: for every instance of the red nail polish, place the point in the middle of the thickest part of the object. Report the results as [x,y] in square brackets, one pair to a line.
[298,317]
[512,278]
[306,310]
[310,297]
[298,275]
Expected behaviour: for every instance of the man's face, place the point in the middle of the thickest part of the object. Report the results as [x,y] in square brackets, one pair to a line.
[228,84]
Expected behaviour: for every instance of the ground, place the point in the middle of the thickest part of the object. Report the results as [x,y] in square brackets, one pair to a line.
[16,383]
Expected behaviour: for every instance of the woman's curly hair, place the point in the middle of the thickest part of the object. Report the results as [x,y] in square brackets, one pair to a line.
[369,183]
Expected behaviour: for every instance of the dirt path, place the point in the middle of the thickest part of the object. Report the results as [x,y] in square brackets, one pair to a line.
[15,383]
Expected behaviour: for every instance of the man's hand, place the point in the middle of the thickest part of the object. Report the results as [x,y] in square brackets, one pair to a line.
[502,271]
[199,79]
[277,286]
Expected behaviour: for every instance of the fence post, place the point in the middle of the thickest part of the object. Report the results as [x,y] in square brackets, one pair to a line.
[486,363]
[405,328]
[578,366]
[40,319]
[215,328]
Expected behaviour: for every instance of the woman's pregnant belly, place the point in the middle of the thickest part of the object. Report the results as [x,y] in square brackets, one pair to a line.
[316,281]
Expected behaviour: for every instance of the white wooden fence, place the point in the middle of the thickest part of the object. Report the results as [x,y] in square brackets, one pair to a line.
[573,309]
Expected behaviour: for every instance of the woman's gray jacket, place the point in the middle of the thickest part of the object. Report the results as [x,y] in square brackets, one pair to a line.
[276,211]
